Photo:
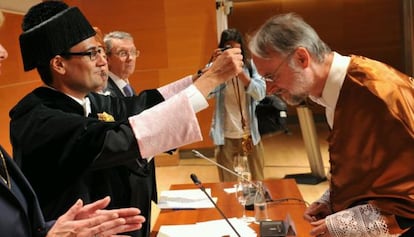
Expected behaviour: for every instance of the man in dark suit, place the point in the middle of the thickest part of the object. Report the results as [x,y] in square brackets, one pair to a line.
[122,55]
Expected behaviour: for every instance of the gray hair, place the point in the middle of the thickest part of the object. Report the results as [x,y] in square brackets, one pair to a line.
[283,34]
[115,35]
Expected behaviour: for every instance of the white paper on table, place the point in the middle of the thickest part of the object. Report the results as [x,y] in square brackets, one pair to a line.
[215,228]
[184,199]
[230,190]
[218,228]
[177,230]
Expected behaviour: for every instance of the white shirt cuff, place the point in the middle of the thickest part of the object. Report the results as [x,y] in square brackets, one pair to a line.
[197,100]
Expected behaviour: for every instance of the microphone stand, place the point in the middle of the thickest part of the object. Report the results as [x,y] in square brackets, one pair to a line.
[199,185]
[198,154]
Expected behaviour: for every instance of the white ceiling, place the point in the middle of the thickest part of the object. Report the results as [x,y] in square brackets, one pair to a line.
[17,6]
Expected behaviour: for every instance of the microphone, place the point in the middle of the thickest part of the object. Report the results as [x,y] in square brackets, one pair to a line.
[197,182]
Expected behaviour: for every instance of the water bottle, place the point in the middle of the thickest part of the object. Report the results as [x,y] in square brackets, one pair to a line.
[247,177]
[245,173]
[260,205]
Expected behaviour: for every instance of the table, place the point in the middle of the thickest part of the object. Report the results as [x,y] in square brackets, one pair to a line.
[278,188]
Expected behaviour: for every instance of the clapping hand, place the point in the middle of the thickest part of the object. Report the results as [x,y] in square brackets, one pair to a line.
[92,220]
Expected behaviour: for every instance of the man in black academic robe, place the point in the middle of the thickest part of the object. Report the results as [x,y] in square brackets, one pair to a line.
[67,156]
[72,143]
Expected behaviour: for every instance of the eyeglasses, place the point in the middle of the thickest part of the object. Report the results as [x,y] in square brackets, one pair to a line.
[125,53]
[271,76]
[93,53]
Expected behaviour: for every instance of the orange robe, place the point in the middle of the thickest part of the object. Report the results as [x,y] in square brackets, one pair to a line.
[371,145]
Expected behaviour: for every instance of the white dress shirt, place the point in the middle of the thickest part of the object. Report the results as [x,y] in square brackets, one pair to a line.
[333,86]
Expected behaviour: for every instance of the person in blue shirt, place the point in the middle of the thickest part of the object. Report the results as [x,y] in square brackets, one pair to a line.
[234,128]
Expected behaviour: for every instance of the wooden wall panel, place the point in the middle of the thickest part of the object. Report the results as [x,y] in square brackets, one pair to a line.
[14,82]
[369,27]
[175,38]
[145,20]
[372,28]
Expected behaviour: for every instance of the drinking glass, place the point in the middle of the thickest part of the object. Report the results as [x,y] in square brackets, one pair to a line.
[242,193]
[238,164]
[241,167]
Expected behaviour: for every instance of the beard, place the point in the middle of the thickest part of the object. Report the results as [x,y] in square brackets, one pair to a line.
[300,88]
[294,100]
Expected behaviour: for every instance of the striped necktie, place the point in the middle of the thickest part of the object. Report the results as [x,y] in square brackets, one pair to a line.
[128,90]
